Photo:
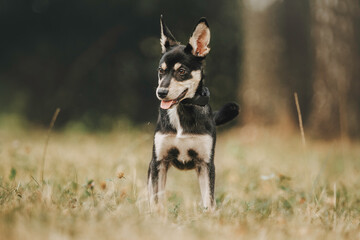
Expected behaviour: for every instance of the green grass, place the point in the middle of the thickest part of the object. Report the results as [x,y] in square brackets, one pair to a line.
[267,187]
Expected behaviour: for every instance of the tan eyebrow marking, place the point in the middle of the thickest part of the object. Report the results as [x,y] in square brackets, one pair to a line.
[177,66]
[163,66]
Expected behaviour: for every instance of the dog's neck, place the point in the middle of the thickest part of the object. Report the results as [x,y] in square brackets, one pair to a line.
[188,118]
[201,97]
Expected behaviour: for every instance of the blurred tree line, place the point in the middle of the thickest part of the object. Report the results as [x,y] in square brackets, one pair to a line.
[97,60]
[309,47]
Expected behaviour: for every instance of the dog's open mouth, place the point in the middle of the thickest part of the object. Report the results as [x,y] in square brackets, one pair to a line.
[169,104]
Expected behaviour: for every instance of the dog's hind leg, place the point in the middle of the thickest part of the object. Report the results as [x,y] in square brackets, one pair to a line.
[206,176]
[152,183]
[156,181]
[163,168]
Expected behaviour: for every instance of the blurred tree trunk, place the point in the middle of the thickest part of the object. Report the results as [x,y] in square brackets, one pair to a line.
[262,92]
[336,86]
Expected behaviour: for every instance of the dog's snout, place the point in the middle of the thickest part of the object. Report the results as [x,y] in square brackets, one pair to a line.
[162,92]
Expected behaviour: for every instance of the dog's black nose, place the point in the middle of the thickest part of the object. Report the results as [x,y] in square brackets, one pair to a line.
[162,92]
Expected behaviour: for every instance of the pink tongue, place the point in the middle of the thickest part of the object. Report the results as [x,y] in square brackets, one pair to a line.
[166,104]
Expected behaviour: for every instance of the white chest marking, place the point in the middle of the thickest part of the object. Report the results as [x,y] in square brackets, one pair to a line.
[175,121]
[201,144]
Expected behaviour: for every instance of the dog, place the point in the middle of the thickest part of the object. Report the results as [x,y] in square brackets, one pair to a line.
[185,133]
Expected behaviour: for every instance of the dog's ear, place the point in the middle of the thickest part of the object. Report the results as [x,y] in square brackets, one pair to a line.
[200,39]
[167,40]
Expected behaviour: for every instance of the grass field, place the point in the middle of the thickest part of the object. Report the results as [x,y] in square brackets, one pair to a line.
[268,186]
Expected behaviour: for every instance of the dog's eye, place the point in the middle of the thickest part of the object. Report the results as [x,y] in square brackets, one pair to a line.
[182,71]
[161,71]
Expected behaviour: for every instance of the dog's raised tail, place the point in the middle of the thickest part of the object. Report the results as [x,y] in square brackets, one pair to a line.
[227,113]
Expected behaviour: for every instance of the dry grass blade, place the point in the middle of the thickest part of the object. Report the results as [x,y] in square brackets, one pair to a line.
[47,142]
[300,119]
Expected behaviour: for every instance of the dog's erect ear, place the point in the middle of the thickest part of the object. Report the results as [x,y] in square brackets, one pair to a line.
[167,40]
[200,39]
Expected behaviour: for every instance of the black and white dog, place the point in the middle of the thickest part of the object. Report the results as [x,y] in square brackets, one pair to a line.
[185,134]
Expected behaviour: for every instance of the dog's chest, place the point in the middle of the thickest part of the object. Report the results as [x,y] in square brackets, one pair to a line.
[186,146]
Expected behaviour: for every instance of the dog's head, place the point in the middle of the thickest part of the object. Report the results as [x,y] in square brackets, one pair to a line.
[180,68]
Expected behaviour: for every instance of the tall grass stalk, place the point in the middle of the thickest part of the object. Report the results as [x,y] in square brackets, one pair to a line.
[47,143]
[300,119]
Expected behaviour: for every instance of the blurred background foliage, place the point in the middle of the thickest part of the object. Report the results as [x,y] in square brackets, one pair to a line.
[97,60]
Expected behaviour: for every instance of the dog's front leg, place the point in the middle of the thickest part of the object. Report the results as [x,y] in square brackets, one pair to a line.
[206,176]
[156,181]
